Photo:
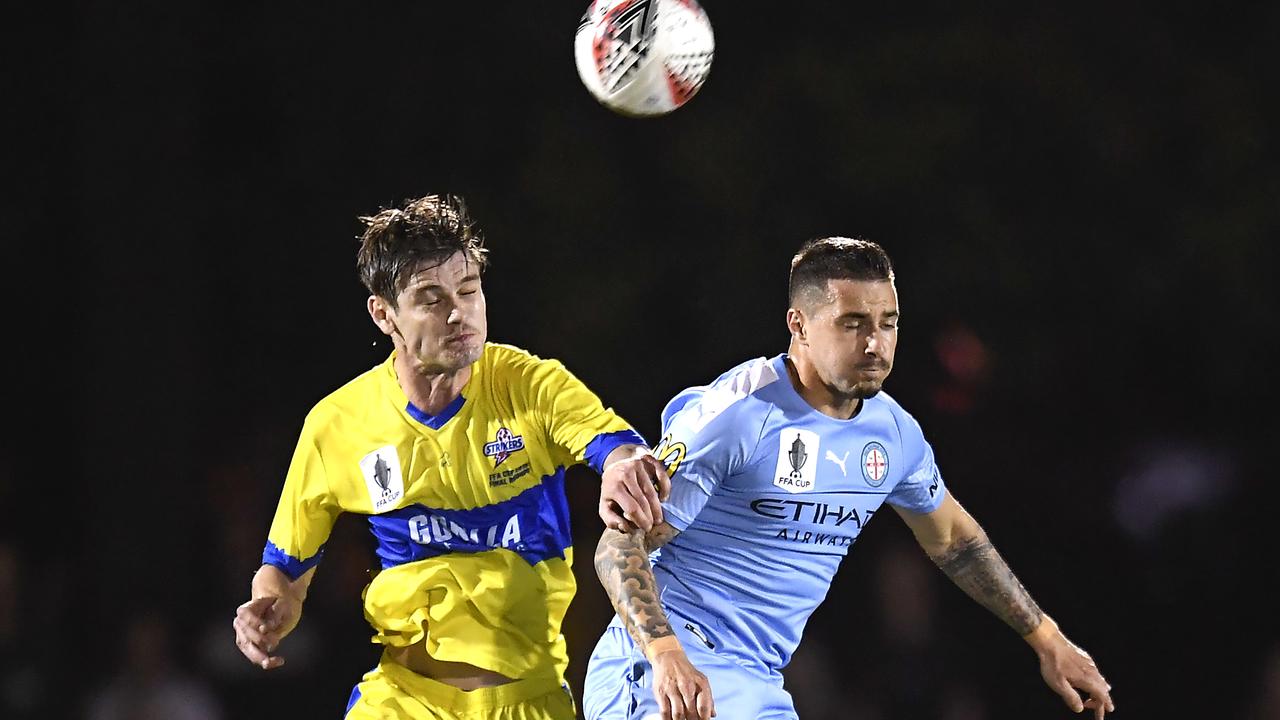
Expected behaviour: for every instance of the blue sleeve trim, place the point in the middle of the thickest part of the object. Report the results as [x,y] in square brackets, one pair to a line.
[289,565]
[598,449]
[351,702]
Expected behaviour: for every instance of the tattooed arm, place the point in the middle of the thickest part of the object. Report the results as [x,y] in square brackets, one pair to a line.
[960,548]
[622,563]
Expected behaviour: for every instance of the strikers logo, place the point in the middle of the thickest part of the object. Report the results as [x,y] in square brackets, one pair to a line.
[503,445]
[875,464]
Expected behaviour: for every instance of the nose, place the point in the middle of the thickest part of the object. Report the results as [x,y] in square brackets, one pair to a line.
[455,316]
[873,344]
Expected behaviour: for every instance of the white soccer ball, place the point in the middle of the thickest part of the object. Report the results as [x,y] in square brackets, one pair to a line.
[644,57]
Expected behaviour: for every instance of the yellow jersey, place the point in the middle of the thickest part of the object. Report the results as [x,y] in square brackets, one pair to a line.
[467,507]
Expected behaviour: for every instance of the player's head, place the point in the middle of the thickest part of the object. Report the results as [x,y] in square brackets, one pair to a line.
[421,264]
[843,314]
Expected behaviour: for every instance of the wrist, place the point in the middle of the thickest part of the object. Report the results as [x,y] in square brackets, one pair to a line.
[624,453]
[661,645]
[271,581]
[1041,638]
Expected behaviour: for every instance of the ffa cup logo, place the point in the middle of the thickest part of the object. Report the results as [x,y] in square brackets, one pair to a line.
[797,467]
[503,445]
[875,464]
[381,470]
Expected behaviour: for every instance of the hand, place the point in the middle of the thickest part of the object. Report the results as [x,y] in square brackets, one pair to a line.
[261,624]
[631,493]
[1066,667]
[682,692]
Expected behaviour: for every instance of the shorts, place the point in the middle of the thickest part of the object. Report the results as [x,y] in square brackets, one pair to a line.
[619,683]
[391,691]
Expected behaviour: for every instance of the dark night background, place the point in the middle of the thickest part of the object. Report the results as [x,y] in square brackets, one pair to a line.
[1082,203]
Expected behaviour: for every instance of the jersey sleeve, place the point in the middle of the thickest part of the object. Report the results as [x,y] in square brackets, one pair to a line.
[306,512]
[921,489]
[579,426]
[701,447]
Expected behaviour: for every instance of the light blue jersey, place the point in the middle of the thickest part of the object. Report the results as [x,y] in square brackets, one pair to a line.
[768,495]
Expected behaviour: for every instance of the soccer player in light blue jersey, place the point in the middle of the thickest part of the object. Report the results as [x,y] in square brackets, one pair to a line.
[775,468]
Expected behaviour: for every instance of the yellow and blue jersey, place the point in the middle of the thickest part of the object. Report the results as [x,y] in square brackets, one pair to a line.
[467,507]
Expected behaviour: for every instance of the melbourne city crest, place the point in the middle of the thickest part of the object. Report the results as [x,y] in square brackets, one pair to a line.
[875,464]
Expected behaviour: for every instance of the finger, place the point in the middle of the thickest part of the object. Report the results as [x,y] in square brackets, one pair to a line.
[1098,689]
[258,613]
[663,703]
[677,705]
[635,485]
[611,515]
[250,632]
[253,612]
[632,510]
[662,477]
[1069,695]
[689,696]
[255,654]
[619,523]
[650,468]
[706,704]
[1102,698]
[258,606]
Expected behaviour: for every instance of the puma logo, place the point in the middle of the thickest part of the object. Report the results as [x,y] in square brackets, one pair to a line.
[839,461]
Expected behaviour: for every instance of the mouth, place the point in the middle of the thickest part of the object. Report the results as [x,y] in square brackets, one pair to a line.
[460,338]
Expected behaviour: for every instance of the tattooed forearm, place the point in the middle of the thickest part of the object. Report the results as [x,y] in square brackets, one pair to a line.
[622,562]
[974,565]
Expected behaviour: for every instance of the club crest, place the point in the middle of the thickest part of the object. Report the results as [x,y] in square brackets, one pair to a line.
[503,445]
[875,464]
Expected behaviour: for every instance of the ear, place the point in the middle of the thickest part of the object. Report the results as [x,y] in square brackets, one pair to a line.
[381,313]
[796,324]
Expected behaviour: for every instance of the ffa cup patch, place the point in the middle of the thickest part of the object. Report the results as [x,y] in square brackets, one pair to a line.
[797,468]
[381,470]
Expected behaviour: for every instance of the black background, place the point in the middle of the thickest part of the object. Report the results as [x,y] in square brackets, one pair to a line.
[1081,202]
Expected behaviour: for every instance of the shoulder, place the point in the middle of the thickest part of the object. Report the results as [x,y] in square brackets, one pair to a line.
[502,358]
[354,398]
[513,367]
[731,399]
[908,427]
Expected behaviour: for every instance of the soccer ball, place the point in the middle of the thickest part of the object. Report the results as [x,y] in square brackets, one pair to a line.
[644,57]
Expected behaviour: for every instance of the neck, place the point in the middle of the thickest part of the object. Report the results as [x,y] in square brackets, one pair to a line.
[819,395]
[429,392]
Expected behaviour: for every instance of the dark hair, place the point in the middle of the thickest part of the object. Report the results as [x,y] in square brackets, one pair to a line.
[836,258]
[396,240]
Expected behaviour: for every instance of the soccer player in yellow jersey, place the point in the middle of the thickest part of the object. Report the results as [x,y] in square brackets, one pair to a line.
[455,449]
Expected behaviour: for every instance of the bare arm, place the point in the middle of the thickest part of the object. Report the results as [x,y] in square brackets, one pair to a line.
[960,548]
[622,563]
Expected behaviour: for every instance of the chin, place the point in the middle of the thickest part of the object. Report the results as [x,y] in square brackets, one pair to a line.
[864,391]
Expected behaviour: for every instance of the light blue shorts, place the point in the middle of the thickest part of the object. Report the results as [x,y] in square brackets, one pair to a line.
[619,684]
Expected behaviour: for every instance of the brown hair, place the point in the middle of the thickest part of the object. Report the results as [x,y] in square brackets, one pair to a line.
[397,240]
